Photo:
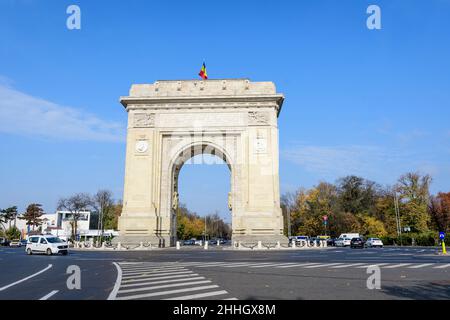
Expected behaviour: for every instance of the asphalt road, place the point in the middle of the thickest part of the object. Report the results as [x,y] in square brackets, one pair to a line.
[193,273]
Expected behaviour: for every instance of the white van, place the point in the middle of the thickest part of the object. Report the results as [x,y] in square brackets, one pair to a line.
[46,244]
[350,235]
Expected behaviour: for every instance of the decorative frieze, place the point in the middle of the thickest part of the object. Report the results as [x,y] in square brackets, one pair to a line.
[144,120]
[256,118]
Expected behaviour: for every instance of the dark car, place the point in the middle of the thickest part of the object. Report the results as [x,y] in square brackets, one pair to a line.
[357,243]
[330,242]
[313,241]
[189,242]
[4,242]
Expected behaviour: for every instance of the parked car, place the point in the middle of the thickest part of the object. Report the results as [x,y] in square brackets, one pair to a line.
[188,242]
[331,242]
[46,244]
[374,243]
[4,242]
[357,243]
[15,243]
[343,242]
[299,239]
[314,240]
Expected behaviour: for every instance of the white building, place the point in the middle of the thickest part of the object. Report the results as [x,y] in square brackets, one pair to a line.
[60,224]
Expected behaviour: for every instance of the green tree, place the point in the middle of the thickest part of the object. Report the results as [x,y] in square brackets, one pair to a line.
[13,233]
[357,195]
[8,215]
[414,198]
[112,219]
[33,215]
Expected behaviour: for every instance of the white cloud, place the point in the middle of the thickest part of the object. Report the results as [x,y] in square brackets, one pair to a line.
[379,163]
[335,161]
[24,114]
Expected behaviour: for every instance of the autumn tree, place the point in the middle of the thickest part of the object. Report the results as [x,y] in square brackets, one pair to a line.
[372,227]
[189,224]
[439,208]
[312,206]
[385,211]
[33,215]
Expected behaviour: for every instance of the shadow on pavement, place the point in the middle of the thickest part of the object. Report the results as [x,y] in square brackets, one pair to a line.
[439,290]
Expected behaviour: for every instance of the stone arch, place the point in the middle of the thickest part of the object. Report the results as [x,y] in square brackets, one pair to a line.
[186,153]
[236,118]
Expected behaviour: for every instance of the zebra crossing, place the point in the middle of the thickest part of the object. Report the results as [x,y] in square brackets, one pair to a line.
[170,268]
[137,281]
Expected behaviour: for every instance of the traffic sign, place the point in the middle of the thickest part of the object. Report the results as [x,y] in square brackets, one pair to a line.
[442,235]
[325,218]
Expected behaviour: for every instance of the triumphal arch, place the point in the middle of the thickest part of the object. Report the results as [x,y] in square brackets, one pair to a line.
[170,122]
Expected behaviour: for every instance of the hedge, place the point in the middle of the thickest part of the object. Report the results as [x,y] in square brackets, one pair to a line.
[421,239]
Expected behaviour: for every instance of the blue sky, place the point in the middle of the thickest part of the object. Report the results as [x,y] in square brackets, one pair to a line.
[370,102]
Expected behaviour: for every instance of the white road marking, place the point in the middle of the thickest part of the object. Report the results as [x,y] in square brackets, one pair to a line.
[372,265]
[48,296]
[164,286]
[347,265]
[113,294]
[25,279]
[205,265]
[156,275]
[163,293]
[263,265]
[296,265]
[153,265]
[397,266]
[238,265]
[158,282]
[128,273]
[323,265]
[161,278]
[443,266]
[202,295]
[421,266]
[149,267]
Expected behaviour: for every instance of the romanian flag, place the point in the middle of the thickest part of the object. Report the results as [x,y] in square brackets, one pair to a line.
[203,72]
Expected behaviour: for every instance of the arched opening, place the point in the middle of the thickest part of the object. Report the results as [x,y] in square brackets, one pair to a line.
[201,206]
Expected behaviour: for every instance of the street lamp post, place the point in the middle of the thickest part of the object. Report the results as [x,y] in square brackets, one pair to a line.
[288,212]
[397,217]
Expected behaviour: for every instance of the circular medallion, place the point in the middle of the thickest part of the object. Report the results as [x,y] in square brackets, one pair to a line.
[141,146]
